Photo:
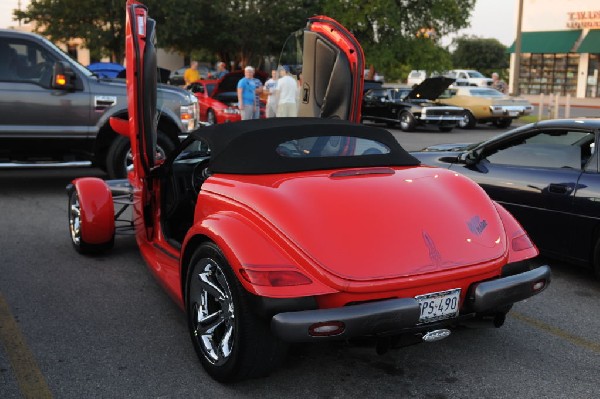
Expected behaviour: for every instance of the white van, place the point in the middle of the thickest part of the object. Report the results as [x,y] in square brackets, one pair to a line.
[415,77]
[474,78]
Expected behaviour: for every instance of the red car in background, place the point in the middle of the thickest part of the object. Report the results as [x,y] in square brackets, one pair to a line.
[218,98]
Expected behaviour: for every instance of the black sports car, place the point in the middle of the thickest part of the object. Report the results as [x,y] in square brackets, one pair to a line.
[411,107]
[547,175]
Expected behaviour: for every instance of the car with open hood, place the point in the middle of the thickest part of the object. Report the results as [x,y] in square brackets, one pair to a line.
[309,229]
[485,105]
[412,107]
[218,100]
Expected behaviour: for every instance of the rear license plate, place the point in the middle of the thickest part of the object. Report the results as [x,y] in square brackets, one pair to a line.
[438,305]
[513,113]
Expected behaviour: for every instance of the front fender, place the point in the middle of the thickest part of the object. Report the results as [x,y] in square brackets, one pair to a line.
[248,247]
[97,212]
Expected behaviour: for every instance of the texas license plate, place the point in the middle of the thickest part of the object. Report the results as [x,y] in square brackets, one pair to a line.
[438,305]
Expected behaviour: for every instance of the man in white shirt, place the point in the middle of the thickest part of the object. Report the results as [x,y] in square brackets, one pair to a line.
[287,90]
[270,87]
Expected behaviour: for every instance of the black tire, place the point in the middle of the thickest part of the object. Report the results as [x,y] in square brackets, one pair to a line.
[407,121]
[468,121]
[246,346]
[119,154]
[74,212]
[210,117]
[503,123]
[446,129]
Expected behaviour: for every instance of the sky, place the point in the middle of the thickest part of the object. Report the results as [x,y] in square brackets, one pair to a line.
[494,19]
[489,19]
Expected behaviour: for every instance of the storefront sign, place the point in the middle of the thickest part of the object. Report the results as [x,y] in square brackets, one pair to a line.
[583,19]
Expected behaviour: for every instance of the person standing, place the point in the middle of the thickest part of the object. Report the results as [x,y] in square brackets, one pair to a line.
[221,70]
[191,74]
[258,92]
[270,88]
[247,91]
[287,90]
[499,84]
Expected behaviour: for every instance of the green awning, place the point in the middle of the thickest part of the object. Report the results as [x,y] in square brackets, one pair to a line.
[591,42]
[551,42]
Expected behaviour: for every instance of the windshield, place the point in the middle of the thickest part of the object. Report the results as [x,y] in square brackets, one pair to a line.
[475,74]
[291,53]
[486,93]
[74,63]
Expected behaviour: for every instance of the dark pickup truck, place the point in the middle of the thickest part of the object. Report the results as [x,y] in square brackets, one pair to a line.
[54,112]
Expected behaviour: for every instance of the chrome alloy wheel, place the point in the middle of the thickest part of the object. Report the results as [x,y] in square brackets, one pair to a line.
[128,161]
[75,218]
[467,120]
[406,121]
[213,312]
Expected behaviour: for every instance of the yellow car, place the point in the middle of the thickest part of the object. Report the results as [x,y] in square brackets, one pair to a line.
[484,105]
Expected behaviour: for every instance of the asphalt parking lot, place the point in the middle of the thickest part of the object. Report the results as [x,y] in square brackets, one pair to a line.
[75,326]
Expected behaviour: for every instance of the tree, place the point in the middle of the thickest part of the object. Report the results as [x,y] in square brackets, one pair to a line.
[247,31]
[484,55]
[100,25]
[388,29]
[240,30]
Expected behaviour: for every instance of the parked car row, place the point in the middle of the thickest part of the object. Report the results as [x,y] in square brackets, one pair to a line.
[436,101]
[463,77]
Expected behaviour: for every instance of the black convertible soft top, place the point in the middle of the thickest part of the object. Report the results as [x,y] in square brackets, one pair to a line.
[250,147]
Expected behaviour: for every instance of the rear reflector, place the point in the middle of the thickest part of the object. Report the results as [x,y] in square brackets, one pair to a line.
[326,329]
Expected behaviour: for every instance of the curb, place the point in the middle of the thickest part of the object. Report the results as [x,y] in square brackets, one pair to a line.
[537,104]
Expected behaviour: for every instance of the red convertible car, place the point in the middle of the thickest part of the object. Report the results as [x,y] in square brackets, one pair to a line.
[269,232]
[218,98]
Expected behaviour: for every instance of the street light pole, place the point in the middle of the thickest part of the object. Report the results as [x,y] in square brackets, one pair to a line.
[517,69]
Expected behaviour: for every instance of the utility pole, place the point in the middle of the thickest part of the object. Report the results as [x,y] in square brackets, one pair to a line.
[19,7]
[517,69]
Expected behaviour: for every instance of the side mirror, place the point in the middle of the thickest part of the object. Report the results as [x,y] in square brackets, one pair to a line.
[63,77]
[469,158]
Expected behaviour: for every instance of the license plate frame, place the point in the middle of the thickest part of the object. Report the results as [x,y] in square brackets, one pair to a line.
[439,305]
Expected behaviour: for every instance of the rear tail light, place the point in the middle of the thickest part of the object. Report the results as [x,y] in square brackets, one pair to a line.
[275,278]
[521,242]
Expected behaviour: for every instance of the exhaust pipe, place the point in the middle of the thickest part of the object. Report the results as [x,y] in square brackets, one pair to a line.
[487,321]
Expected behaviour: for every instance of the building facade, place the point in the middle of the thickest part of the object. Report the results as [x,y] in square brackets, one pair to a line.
[560,48]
